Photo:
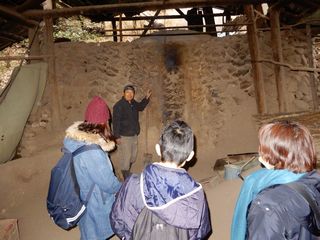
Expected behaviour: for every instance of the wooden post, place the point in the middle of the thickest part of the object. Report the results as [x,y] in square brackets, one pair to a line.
[255,55]
[51,80]
[114,30]
[313,83]
[278,57]
[120,27]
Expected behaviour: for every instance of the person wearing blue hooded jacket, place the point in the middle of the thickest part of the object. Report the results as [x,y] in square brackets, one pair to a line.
[267,208]
[165,188]
[94,168]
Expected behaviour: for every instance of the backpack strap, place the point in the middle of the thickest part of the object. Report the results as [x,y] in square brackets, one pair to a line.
[301,189]
[85,147]
[82,149]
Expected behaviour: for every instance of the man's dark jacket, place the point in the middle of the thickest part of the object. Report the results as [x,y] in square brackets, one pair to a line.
[278,212]
[126,117]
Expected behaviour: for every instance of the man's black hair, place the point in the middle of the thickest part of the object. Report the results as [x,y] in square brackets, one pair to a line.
[129,87]
[176,142]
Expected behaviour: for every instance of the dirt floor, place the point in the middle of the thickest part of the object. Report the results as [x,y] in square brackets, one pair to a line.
[24,185]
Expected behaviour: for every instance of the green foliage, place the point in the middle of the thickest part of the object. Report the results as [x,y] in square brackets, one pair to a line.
[79,29]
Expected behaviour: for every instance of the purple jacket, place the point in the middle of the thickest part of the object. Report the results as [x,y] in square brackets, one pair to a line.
[170,193]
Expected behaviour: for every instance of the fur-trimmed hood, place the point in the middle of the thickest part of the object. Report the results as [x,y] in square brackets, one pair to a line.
[90,138]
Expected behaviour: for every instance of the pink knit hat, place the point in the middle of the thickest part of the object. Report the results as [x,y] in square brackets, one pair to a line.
[97,111]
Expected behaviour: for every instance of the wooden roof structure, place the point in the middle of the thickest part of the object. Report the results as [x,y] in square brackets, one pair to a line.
[17,16]
[20,18]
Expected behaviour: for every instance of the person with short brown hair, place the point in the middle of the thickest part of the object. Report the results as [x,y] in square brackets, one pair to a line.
[287,145]
[267,207]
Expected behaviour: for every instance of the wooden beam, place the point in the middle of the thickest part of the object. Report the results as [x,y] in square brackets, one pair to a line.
[134,7]
[16,17]
[52,81]
[17,58]
[136,18]
[11,36]
[182,27]
[120,27]
[180,12]
[313,83]
[114,30]
[209,20]
[28,4]
[276,46]
[253,42]
[292,68]
[185,33]
[150,23]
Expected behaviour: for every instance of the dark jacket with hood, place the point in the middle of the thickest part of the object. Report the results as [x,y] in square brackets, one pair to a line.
[278,212]
[170,193]
[126,117]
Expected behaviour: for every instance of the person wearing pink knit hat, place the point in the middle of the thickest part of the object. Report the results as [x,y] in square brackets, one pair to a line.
[93,168]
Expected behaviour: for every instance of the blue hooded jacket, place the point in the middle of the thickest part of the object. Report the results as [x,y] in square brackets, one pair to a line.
[170,193]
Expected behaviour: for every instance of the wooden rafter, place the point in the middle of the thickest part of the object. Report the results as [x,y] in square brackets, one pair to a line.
[135,18]
[133,7]
[13,15]
[150,23]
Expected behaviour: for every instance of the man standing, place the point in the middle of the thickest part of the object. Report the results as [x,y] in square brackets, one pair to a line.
[126,126]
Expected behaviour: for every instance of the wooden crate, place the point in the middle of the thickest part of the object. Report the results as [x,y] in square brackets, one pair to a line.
[9,229]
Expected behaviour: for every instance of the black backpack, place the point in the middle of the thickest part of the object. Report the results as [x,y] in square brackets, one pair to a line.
[63,201]
[301,189]
[149,226]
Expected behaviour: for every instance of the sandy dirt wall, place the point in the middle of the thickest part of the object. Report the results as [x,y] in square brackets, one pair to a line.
[204,80]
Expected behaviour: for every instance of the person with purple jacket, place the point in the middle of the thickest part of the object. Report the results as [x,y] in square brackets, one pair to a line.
[165,188]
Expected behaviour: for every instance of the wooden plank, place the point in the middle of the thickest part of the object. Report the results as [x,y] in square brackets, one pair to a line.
[253,42]
[134,7]
[313,83]
[278,57]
